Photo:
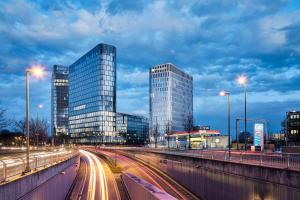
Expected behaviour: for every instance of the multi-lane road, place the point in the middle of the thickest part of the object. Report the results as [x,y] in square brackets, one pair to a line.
[95,179]
[145,173]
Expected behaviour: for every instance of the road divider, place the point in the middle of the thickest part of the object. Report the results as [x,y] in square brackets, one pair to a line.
[140,189]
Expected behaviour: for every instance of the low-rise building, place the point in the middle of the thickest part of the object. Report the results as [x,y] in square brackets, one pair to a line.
[292,128]
[132,129]
[200,139]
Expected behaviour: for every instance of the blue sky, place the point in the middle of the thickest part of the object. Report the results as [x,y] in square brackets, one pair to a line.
[214,40]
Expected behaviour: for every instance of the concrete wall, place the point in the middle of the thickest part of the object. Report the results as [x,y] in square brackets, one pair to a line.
[139,189]
[48,184]
[212,179]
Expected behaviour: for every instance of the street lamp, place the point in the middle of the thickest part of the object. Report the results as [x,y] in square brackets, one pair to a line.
[38,72]
[242,80]
[225,93]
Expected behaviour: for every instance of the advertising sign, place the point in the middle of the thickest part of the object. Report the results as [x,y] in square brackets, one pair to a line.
[259,135]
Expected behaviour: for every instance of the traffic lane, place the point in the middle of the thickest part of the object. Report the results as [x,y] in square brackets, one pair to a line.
[145,173]
[81,185]
[113,191]
[131,167]
[101,183]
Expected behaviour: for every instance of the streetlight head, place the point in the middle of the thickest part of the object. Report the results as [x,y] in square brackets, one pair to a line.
[223,93]
[37,71]
[40,106]
[242,80]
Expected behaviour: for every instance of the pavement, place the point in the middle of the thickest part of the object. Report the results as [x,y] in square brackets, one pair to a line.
[132,166]
[95,180]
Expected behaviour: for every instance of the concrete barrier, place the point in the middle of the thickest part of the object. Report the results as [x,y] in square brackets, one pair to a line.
[214,179]
[139,189]
[51,183]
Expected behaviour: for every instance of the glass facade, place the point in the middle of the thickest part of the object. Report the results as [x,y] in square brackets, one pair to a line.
[292,126]
[171,99]
[133,129]
[92,96]
[59,100]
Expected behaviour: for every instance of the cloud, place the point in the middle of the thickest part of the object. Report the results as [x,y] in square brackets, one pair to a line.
[212,40]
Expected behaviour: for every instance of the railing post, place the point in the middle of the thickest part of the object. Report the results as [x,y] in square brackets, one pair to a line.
[23,163]
[35,159]
[4,171]
[225,156]
[212,154]
[261,159]
[241,157]
[288,160]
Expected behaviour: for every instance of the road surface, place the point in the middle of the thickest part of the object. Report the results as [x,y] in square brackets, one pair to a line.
[95,180]
[134,167]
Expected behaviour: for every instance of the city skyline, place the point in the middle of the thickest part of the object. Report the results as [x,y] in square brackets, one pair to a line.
[261,45]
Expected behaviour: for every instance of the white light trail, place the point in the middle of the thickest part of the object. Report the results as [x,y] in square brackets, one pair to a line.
[96,166]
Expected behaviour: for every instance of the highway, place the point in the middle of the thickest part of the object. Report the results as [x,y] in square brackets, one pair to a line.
[136,168]
[95,180]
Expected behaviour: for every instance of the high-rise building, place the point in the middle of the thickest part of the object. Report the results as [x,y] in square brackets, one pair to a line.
[292,128]
[132,128]
[59,100]
[92,96]
[171,100]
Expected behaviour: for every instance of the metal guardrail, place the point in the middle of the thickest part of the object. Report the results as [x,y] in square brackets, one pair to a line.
[16,165]
[282,160]
[276,160]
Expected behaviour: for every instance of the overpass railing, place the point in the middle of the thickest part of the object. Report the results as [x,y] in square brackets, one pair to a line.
[279,160]
[13,166]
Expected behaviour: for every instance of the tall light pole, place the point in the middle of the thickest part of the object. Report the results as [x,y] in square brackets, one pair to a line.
[242,80]
[225,93]
[236,132]
[38,72]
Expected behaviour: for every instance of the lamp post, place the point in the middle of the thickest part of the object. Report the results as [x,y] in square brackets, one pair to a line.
[242,80]
[236,131]
[38,72]
[225,93]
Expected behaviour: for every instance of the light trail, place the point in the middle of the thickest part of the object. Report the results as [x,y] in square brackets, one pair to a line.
[96,168]
[83,183]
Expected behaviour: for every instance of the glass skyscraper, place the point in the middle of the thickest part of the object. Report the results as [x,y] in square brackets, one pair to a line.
[92,96]
[171,99]
[132,128]
[59,100]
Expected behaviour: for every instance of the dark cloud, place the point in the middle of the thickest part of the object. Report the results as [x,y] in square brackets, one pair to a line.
[213,40]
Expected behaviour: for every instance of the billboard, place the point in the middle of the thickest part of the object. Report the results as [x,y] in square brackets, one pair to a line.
[259,135]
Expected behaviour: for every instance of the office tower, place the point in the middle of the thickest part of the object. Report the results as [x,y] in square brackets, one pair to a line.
[59,100]
[133,129]
[292,128]
[92,96]
[171,100]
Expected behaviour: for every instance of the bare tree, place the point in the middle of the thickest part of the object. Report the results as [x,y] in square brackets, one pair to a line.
[188,125]
[168,132]
[19,126]
[37,128]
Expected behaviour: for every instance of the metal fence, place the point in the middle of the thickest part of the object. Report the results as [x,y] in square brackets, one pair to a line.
[278,160]
[14,166]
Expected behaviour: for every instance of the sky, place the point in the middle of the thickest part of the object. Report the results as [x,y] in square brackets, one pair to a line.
[213,40]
